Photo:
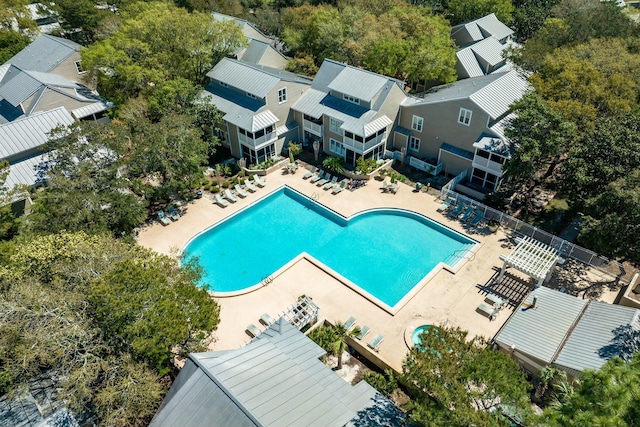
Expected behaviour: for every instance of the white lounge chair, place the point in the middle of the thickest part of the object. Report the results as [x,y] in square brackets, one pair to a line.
[495,300]
[229,196]
[240,191]
[173,214]
[333,183]
[385,186]
[163,218]
[490,311]
[220,201]
[445,205]
[374,344]
[318,176]
[393,188]
[310,173]
[250,186]
[253,330]
[363,332]
[324,180]
[258,181]
[267,319]
[339,188]
[351,321]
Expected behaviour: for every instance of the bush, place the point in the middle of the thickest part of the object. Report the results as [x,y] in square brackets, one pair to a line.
[366,166]
[325,336]
[215,189]
[225,184]
[385,383]
[207,187]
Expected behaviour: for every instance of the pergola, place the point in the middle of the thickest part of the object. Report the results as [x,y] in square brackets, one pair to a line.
[532,258]
[304,312]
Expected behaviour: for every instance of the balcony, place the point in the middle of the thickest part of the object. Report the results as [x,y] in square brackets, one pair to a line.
[314,128]
[488,165]
[256,142]
[362,147]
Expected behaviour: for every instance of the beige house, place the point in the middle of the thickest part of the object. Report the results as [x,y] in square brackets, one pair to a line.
[459,127]
[350,111]
[256,101]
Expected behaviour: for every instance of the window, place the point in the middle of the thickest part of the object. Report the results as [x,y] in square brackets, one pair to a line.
[223,84]
[464,116]
[351,99]
[336,147]
[414,143]
[282,95]
[484,179]
[79,67]
[416,123]
[334,126]
[250,95]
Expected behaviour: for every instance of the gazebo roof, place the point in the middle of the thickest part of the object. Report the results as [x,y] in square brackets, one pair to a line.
[533,258]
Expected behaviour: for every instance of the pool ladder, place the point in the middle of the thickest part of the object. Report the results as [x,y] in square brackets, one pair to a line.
[266,280]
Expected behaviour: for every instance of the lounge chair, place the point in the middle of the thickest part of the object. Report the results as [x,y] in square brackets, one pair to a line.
[253,330]
[363,332]
[333,183]
[310,173]
[338,188]
[163,218]
[220,201]
[385,186]
[240,191]
[467,213]
[323,181]
[374,344]
[490,311]
[258,181]
[267,319]
[495,300]
[477,219]
[351,321]
[393,188]
[445,205]
[457,210]
[229,196]
[250,186]
[318,176]
[172,213]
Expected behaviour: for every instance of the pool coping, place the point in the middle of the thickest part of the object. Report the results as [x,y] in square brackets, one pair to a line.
[470,252]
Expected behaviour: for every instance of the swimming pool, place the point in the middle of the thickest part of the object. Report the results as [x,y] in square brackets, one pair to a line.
[384,252]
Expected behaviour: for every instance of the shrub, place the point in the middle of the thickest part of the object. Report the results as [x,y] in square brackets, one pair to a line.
[225,184]
[215,189]
[366,166]
[325,336]
[385,383]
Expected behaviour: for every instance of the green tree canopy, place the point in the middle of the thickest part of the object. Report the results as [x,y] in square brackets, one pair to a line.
[156,42]
[455,381]
[608,397]
[458,11]
[529,16]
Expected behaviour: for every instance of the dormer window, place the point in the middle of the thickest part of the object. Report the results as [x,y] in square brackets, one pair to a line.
[351,99]
[79,67]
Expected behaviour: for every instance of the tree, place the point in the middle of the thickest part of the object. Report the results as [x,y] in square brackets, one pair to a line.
[460,382]
[80,19]
[294,150]
[607,397]
[334,164]
[339,345]
[11,42]
[529,16]
[458,11]
[612,220]
[157,42]
[15,17]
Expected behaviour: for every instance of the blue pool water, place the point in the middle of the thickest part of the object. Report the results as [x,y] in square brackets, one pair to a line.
[384,252]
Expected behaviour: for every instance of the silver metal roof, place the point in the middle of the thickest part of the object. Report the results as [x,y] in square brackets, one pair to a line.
[358,83]
[255,51]
[275,380]
[44,54]
[26,172]
[490,50]
[18,85]
[244,78]
[469,62]
[499,126]
[540,331]
[29,133]
[493,93]
[96,107]
[481,28]
[593,334]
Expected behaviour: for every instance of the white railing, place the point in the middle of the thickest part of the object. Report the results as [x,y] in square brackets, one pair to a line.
[484,163]
[426,166]
[362,147]
[313,127]
[255,142]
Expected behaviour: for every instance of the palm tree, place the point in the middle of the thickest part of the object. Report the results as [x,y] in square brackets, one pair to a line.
[334,164]
[340,333]
[545,375]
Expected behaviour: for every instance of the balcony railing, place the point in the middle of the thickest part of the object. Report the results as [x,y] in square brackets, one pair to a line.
[484,163]
[362,147]
[426,166]
[313,127]
[256,142]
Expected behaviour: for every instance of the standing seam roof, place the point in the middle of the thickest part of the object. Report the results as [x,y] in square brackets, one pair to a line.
[245,78]
[358,83]
[44,54]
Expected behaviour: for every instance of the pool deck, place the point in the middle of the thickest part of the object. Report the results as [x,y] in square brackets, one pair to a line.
[447,298]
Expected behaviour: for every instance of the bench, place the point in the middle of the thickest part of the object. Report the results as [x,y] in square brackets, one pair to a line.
[490,311]
[495,300]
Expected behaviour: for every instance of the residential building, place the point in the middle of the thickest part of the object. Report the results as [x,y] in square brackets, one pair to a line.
[45,18]
[551,328]
[255,100]
[261,50]
[459,128]
[480,29]
[481,58]
[350,111]
[275,380]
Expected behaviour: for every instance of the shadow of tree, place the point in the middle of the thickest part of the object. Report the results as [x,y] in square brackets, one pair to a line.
[578,279]
[625,342]
[381,413]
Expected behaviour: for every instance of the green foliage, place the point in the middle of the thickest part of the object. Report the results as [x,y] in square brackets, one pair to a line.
[294,150]
[461,382]
[386,383]
[529,16]
[80,20]
[11,42]
[15,17]
[366,166]
[324,336]
[156,42]
[608,397]
[458,11]
[334,164]
[302,63]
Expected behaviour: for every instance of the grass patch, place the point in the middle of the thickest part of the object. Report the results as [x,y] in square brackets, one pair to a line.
[555,217]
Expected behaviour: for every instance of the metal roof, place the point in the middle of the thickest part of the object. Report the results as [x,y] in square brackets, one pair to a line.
[255,51]
[402,131]
[18,85]
[493,93]
[499,126]
[28,133]
[590,344]
[457,151]
[247,79]
[469,62]
[27,172]
[481,28]
[490,50]
[358,83]
[96,107]
[540,331]
[44,54]
[377,124]
[275,380]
